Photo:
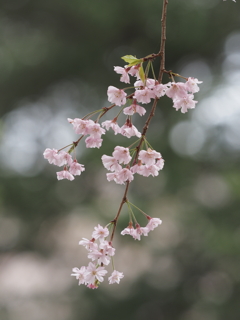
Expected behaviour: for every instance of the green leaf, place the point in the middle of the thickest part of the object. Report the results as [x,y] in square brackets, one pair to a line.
[142,74]
[131,60]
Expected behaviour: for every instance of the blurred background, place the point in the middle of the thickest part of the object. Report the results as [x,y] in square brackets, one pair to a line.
[56,61]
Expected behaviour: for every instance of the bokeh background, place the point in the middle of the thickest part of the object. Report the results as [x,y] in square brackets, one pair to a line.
[56,61]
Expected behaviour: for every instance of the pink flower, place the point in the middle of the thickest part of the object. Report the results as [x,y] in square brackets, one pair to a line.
[115,277]
[177,90]
[79,274]
[134,108]
[107,248]
[116,96]
[81,126]
[124,175]
[129,230]
[76,168]
[159,90]
[192,85]
[134,71]
[149,157]
[147,170]
[125,77]
[153,223]
[137,168]
[92,142]
[100,232]
[63,158]
[144,96]
[122,155]
[129,130]
[100,256]
[111,163]
[65,175]
[88,244]
[93,273]
[160,164]
[121,176]
[50,155]
[95,130]
[185,103]
[111,124]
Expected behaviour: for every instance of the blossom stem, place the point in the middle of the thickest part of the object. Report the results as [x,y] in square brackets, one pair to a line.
[152,113]
[137,208]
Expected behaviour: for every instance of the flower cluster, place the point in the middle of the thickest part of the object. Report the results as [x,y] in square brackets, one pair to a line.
[125,162]
[101,253]
[71,167]
[181,93]
[136,233]
[88,127]
[149,163]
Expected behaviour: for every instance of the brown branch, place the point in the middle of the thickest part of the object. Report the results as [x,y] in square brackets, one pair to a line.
[151,115]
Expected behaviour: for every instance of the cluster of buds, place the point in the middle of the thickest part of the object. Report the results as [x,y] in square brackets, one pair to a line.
[101,253]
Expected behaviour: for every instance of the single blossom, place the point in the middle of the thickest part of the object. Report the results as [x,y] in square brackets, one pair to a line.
[100,232]
[76,168]
[185,103]
[65,175]
[81,126]
[177,90]
[124,72]
[122,154]
[129,130]
[115,277]
[111,163]
[113,125]
[192,85]
[50,155]
[80,274]
[94,273]
[89,244]
[149,156]
[134,108]
[116,96]
[153,223]
[92,142]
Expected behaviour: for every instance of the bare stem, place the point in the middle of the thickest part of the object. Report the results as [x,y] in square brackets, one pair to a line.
[151,115]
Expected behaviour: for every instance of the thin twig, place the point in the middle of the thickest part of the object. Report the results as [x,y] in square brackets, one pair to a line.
[151,115]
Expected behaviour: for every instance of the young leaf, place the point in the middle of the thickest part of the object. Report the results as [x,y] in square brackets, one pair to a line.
[131,60]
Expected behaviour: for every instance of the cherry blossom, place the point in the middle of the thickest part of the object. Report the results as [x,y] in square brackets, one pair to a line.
[80,274]
[92,142]
[116,96]
[50,155]
[115,277]
[149,156]
[134,108]
[122,154]
[185,103]
[124,72]
[94,273]
[192,85]
[129,130]
[81,126]
[113,125]
[65,175]
[111,163]
[76,168]
[100,232]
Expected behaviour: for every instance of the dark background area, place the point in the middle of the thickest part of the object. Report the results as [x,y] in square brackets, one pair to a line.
[56,62]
